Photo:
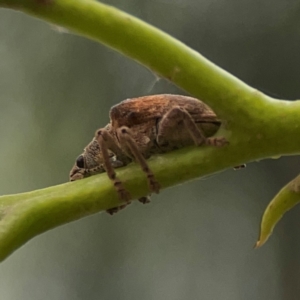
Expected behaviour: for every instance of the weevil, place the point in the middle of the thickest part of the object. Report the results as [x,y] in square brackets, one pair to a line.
[141,127]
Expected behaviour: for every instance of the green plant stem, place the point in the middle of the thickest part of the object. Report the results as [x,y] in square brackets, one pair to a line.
[149,46]
[256,125]
[23,216]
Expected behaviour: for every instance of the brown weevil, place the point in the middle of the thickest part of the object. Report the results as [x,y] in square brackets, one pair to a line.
[141,127]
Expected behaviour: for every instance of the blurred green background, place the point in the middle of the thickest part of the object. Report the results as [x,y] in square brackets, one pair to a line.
[193,241]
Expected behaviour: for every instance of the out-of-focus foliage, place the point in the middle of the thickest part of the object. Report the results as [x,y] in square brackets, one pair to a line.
[193,241]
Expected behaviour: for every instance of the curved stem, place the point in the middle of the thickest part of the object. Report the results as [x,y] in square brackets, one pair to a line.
[151,47]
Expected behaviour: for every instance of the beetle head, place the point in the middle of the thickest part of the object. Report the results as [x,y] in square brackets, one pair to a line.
[90,162]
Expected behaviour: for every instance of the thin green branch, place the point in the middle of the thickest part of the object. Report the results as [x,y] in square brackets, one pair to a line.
[23,216]
[151,47]
[255,125]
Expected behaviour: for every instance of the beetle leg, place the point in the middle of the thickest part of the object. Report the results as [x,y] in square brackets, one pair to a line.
[104,139]
[178,114]
[145,199]
[239,167]
[112,145]
[114,210]
[126,139]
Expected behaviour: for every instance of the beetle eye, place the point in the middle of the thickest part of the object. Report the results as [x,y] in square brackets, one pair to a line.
[80,162]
